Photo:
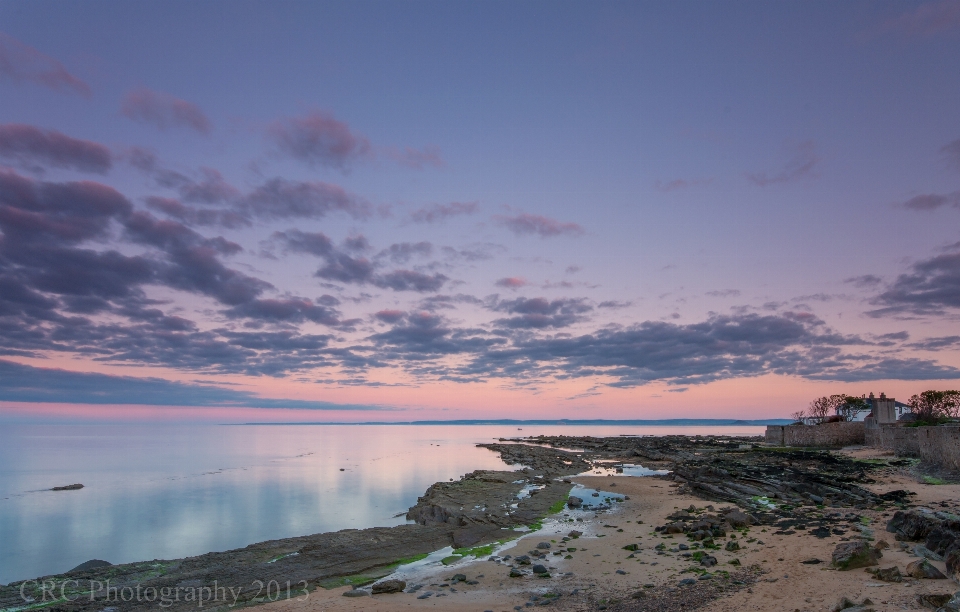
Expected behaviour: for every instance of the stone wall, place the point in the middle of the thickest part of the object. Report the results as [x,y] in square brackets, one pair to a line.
[826,435]
[939,445]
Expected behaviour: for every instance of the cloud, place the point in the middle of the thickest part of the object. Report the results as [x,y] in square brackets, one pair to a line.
[390,316]
[282,199]
[318,138]
[163,111]
[929,288]
[540,313]
[442,212]
[801,164]
[22,63]
[928,19]
[936,344]
[933,201]
[409,280]
[340,266]
[23,383]
[512,282]
[724,293]
[287,310]
[867,281]
[402,252]
[33,148]
[614,304]
[418,159]
[537,224]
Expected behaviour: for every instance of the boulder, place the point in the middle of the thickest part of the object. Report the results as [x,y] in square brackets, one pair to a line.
[934,601]
[470,536]
[72,487]
[575,534]
[708,561]
[543,545]
[738,519]
[732,545]
[574,501]
[851,555]
[921,569]
[355,593]
[389,586]
[540,569]
[911,526]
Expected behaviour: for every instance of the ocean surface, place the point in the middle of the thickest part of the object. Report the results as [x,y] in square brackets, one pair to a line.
[170,491]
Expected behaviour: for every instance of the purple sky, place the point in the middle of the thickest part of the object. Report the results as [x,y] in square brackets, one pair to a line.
[385,211]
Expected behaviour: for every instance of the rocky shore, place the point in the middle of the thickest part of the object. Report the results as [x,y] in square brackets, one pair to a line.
[695,539]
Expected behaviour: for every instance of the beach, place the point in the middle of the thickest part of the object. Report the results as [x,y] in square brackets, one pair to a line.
[658,542]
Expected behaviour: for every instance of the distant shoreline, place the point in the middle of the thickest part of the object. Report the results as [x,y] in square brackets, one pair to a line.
[650,423]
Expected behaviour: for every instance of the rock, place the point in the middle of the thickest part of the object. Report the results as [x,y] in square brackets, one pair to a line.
[881,545]
[575,534]
[922,551]
[458,578]
[638,595]
[911,526]
[543,545]
[574,501]
[843,604]
[738,519]
[540,569]
[631,547]
[470,536]
[522,560]
[355,593]
[731,546]
[850,555]
[389,586]
[921,569]
[889,574]
[89,565]
[515,573]
[708,561]
[813,561]
[933,600]
[687,581]
[72,487]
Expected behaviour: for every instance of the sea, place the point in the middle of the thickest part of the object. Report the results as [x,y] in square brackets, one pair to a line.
[164,491]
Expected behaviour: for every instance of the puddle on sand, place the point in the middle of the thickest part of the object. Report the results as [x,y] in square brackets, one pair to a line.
[623,469]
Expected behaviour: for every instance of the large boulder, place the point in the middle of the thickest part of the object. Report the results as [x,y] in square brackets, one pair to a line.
[574,502]
[851,555]
[911,526]
[738,520]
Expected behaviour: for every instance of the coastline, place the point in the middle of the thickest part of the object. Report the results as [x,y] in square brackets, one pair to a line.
[462,514]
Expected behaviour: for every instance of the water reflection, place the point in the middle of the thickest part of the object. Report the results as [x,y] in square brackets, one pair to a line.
[163,491]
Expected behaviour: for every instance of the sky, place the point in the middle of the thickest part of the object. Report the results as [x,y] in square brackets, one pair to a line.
[390,211]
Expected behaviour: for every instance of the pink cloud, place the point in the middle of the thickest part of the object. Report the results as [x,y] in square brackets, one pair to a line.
[164,110]
[20,62]
[512,282]
[33,148]
[319,138]
[416,158]
[926,20]
[537,224]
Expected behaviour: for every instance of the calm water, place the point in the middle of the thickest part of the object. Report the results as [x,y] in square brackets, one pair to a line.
[165,491]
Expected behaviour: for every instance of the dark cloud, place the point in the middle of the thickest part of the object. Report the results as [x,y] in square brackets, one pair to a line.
[319,139]
[442,212]
[544,227]
[23,383]
[724,293]
[390,316]
[930,287]
[163,111]
[402,252]
[22,63]
[936,344]
[410,280]
[34,149]
[899,336]
[191,215]
[614,304]
[933,201]
[540,313]
[313,243]
[801,164]
[286,310]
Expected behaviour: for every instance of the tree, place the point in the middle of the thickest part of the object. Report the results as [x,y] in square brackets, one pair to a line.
[935,406]
[850,406]
[820,408]
[798,416]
